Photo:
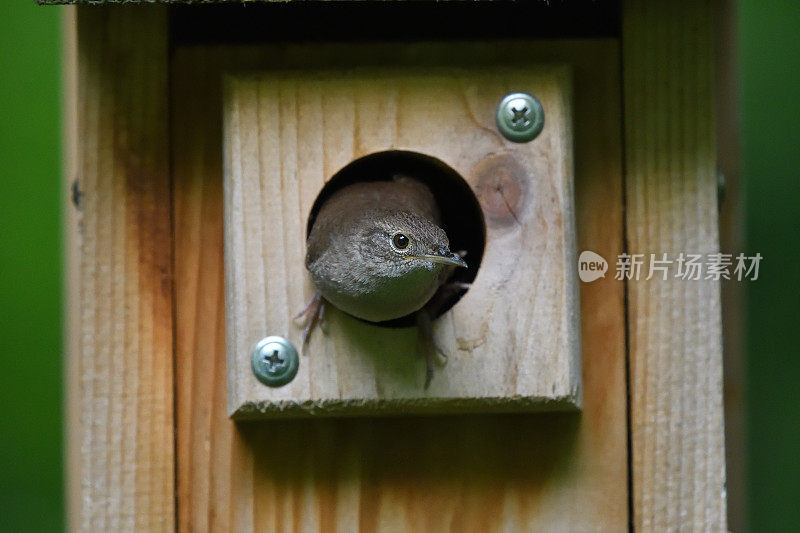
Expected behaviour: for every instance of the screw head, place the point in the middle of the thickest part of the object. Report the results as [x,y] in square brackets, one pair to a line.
[520,117]
[275,361]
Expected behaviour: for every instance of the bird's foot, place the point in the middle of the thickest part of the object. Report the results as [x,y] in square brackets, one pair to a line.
[446,293]
[312,314]
[457,286]
[428,345]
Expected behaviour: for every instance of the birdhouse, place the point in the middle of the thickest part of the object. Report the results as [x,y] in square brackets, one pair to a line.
[203,142]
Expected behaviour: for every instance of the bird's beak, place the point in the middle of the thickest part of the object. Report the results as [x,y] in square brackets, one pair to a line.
[444,257]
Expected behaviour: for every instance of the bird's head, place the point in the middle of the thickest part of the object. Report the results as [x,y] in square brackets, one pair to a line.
[399,242]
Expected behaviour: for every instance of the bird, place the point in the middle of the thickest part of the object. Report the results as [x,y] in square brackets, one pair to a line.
[377,251]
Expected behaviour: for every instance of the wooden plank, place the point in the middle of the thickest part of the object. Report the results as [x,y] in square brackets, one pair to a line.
[502,472]
[678,455]
[731,228]
[287,133]
[120,389]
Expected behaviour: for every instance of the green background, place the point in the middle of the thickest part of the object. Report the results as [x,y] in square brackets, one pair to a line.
[31,479]
[770,67]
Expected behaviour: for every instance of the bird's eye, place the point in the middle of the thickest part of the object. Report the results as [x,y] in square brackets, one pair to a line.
[400,241]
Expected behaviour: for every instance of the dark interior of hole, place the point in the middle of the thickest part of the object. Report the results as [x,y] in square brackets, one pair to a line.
[462,218]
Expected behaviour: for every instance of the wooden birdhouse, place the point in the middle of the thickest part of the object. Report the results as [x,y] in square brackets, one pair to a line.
[203,142]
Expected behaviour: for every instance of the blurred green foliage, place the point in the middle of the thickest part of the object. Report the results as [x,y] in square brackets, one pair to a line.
[770,65]
[31,478]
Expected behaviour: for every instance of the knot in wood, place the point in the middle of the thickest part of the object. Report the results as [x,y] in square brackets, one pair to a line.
[501,186]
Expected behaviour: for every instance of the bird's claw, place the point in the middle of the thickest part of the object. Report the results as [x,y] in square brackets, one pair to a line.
[458,285]
[323,322]
[428,345]
[312,314]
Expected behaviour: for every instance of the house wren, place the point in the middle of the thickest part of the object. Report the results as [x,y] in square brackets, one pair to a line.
[377,251]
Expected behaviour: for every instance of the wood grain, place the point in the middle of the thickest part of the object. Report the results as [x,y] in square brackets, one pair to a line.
[546,471]
[675,348]
[287,133]
[119,368]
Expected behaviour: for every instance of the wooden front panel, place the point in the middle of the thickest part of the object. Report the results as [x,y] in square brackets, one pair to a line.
[496,472]
[513,339]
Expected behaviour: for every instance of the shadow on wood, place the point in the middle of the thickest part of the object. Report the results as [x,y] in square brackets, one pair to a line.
[384,462]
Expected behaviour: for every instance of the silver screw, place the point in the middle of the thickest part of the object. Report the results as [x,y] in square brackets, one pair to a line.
[520,117]
[275,361]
